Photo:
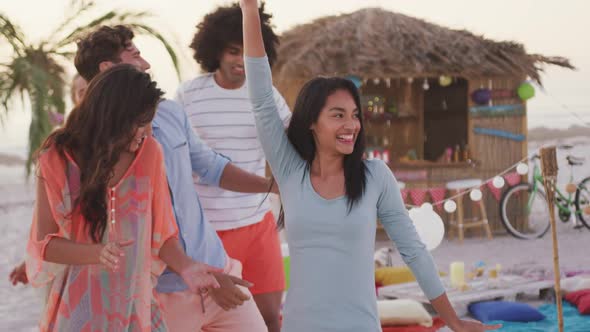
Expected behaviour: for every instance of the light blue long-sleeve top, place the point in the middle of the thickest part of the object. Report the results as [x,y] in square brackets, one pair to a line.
[184,154]
[332,271]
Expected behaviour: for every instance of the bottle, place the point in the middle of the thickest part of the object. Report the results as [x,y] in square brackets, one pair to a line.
[456,153]
[448,154]
[465,153]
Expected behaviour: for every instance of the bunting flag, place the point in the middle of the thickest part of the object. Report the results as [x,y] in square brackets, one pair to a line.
[437,195]
[405,195]
[418,196]
[496,192]
[512,178]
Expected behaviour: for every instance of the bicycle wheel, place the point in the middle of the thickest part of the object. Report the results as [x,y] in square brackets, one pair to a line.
[524,212]
[583,200]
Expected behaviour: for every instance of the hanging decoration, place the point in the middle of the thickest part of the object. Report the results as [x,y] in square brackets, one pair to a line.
[425,85]
[429,226]
[475,195]
[512,178]
[445,80]
[405,194]
[496,192]
[499,133]
[388,82]
[498,182]
[376,81]
[437,195]
[522,168]
[418,196]
[450,206]
[525,91]
[481,96]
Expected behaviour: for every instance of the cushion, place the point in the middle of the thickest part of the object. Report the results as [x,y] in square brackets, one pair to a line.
[580,299]
[393,275]
[403,312]
[437,324]
[576,283]
[505,311]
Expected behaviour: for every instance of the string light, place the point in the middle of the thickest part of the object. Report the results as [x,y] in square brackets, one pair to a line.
[449,203]
[498,182]
[450,206]
[522,168]
[475,195]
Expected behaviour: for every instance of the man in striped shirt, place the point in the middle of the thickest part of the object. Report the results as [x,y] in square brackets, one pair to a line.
[219,110]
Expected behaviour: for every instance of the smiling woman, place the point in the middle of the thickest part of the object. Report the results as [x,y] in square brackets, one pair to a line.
[332,198]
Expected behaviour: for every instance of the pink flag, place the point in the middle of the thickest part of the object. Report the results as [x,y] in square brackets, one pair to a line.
[405,195]
[437,194]
[418,196]
[495,191]
[512,178]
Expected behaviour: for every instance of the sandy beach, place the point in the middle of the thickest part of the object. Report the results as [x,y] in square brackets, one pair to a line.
[19,308]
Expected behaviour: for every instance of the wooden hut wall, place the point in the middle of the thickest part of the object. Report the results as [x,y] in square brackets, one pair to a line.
[495,153]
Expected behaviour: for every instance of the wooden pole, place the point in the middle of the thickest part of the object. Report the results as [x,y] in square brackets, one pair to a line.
[549,166]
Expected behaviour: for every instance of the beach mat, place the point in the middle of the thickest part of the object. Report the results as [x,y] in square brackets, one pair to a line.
[573,321]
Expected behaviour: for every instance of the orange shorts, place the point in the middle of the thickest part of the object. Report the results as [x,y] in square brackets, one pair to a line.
[258,248]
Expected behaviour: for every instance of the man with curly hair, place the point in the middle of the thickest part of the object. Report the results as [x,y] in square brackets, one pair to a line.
[219,109]
[230,307]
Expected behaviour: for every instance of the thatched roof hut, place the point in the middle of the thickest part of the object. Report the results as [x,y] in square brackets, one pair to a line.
[440,104]
[373,42]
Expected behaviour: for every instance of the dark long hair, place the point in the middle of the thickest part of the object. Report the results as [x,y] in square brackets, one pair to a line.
[310,101]
[99,129]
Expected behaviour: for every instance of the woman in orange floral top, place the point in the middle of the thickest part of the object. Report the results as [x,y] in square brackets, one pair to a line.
[103,226]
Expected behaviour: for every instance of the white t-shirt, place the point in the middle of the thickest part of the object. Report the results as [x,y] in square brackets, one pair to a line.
[224,120]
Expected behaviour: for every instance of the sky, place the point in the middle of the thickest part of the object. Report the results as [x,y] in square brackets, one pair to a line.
[544,26]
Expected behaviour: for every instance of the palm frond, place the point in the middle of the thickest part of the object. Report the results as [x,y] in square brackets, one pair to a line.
[110,18]
[15,77]
[12,34]
[78,8]
[40,126]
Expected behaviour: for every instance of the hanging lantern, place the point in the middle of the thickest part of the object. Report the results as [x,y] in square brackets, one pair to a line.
[356,80]
[475,195]
[571,188]
[522,168]
[376,81]
[450,206]
[445,80]
[481,96]
[498,182]
[388,82]
[429,226]
[425,86]
[526,91]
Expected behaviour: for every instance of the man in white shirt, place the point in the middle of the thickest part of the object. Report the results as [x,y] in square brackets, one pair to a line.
[219,109]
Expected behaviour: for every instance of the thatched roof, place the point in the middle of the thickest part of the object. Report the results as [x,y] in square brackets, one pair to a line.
[373,43]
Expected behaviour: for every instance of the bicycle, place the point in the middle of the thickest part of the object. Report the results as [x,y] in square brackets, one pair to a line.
[524,210]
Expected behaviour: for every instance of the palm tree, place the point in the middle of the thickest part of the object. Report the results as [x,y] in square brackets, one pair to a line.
[35,71]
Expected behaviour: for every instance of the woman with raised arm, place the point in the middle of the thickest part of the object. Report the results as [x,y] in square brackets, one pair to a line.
[332,199]
[103,226]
